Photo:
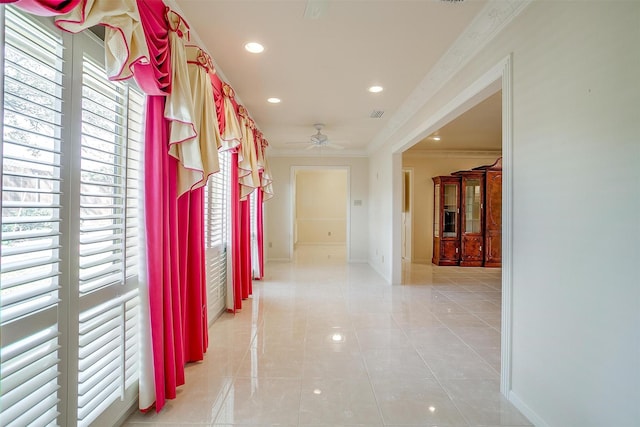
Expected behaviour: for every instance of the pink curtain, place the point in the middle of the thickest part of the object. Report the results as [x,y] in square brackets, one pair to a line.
[175,239]
[240,240]
[245,248]
[260,228]
[45,7]
[162,255]
[236,252]
[192,274]
[176,265]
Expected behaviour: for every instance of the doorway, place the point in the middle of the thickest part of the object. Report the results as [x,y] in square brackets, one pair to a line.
[320,215]
[407,218]
[496,78]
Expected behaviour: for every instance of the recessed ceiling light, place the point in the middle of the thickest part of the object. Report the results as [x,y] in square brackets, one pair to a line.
[254,47]
[436,138]
[375,89]
[337,337]
[274,100]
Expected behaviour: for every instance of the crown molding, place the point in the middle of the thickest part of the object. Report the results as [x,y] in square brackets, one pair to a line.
[440,154]
[493,18]
[277,152]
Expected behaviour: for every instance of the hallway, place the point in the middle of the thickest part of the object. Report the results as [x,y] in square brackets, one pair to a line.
[327,343]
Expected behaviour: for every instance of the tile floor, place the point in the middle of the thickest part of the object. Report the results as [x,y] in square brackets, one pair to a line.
[325,343]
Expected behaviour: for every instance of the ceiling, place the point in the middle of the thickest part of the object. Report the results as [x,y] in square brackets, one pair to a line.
[478,129]
[321,68]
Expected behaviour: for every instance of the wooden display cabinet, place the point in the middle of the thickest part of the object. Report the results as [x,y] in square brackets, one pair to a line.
[467,218]
[446,220]
[493,214]
[472,218]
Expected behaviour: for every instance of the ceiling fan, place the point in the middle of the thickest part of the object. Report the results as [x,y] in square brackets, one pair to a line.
[319,140]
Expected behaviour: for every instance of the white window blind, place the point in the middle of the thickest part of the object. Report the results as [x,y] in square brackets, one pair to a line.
[71,163]
[111,138]
[216,215]
[31,222]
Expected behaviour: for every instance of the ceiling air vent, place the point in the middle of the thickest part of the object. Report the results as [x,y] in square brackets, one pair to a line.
[376,114]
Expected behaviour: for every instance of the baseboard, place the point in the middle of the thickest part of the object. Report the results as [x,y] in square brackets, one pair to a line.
[321,244]
[380,273]
[132,409]
[531,415]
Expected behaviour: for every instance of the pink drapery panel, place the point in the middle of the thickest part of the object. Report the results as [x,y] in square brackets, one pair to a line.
[162,255]
[247,182]
[245,248]
[236,252]
[232,137]
[259,149]
[177,296]
[192,274]
[44,7]
[260,228]
[188,128]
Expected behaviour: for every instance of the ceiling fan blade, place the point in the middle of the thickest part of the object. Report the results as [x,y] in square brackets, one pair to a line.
[312,146]
[334,146]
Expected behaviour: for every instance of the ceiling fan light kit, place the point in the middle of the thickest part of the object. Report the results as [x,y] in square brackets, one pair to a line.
[319,140]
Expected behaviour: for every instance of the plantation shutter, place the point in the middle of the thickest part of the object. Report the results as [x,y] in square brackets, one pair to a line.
[216,215]
[71,163]
[31,222]
[111,137]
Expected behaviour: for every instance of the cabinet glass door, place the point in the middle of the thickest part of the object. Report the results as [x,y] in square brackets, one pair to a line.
[450,211]
[436,212]
[473,205]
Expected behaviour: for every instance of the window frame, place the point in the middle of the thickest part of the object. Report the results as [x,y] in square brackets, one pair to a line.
[66,314]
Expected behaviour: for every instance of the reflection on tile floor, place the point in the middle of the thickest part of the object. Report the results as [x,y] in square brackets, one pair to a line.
[326,343]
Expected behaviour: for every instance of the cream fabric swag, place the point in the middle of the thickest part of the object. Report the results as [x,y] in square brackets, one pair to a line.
[124,41]
[194,135]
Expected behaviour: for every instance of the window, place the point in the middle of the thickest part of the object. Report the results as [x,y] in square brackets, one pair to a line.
[31,222]
[110,147]
[216,206]
[71,162]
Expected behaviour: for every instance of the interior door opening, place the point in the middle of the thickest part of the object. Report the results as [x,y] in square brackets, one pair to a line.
[320,213]
[407,218]
[496,79]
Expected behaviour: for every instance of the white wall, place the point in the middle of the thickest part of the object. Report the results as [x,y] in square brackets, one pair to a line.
[424,168]
[380,213]
[278,210]
[576,204]
[321,206]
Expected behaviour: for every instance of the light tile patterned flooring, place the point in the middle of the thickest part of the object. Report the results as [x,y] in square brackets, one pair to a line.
[325,343]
